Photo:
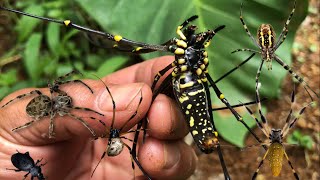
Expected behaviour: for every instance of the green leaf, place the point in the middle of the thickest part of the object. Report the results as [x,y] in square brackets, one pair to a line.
[156,21]
[111,65]
[31,56]
[8,78]
[4,91]
[304,141]
[53,37]
[307,142]
[26,25]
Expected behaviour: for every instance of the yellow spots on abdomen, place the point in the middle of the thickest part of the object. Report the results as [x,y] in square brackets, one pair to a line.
[275,157]
[194,132]
[191,122]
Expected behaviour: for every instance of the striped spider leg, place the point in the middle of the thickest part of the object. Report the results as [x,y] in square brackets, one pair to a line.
[267,45]
[276,149]
[115,137]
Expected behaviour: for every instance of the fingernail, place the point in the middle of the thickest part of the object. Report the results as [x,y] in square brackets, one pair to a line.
[122,95]
[171,155]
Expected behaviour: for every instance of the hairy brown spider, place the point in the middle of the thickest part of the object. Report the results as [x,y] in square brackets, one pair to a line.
[59,103]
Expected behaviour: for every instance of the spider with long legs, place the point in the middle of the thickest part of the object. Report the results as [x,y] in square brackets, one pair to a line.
[115,143]
[59,103]
[267,44]
[276,149]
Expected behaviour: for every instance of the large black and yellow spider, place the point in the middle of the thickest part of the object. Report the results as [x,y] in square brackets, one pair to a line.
[276,150]
[267,44]
[115,136]
[189,77]
[59,103]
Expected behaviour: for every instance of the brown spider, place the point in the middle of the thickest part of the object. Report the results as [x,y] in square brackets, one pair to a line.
[44,106]
[276,150]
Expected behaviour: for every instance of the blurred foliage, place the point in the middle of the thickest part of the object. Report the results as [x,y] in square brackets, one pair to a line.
[298,138]
[49,50]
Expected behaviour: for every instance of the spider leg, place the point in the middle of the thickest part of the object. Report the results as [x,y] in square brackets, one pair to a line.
[160,74]
[51,126]
[87,109]
[211,35]
[236,105]
[284,31]
[104,153]
[74,81]
[22,96]
[235,68]
[132,162]
[24,126]
[183,25]
[115,38]
[260,164]
[225,101]
[246,28]
[134,114]
[83,123]
[134,159]
[263,118]
[289,162]
[250,50]
[296,76]
[265,132]
[289,125]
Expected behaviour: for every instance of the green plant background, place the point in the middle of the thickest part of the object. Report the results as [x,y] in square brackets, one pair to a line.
[49,50]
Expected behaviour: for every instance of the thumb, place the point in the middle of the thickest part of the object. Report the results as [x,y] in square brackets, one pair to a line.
[126,98]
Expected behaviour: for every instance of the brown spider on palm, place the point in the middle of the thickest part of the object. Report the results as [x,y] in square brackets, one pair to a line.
[59,103]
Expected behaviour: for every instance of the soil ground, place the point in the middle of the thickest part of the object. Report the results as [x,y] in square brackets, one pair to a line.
[243,163]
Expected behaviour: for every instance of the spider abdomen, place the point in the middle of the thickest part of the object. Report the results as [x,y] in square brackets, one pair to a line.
[39,107]
[192,98]
[115,147]
[275,156]
[266,36]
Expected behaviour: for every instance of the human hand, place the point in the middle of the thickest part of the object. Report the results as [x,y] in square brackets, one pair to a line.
[73,154]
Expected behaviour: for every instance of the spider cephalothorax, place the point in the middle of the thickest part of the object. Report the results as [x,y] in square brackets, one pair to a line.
[275,136]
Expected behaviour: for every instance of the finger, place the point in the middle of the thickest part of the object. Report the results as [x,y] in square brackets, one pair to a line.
[167,159]
[142,72]
[166,120]
[126,98]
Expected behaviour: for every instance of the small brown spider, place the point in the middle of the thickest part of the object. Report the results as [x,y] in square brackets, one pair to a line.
[44,106]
